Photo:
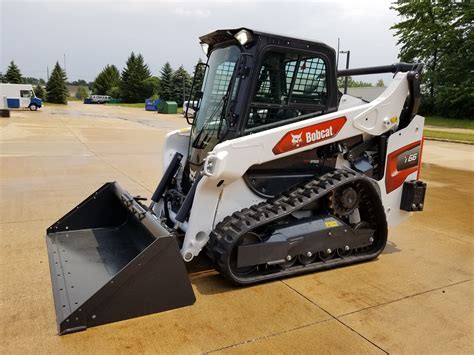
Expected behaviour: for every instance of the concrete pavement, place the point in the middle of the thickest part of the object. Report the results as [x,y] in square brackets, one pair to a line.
[417,297]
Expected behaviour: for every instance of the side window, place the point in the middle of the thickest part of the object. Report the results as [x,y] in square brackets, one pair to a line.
[310,82]
[288,85]
[25,93]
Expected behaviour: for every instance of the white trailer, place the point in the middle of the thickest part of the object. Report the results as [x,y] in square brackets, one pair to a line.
[20,96]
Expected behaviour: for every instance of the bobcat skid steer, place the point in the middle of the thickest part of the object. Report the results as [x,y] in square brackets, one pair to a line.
[278,175]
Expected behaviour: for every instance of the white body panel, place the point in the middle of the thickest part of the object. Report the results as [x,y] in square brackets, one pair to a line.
[223,191]
[391,201]
[14,91]
[100,98]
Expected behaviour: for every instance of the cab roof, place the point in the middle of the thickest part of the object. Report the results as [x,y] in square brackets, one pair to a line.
[224,35]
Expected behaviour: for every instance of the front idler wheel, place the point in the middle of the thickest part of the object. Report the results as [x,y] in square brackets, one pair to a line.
[248,238]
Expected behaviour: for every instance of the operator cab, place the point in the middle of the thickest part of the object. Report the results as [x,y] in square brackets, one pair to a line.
[256,81]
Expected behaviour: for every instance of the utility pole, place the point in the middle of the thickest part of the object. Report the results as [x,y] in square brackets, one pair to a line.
[184,89]
[47,73]
[348,56]
[337,56]
[65,62]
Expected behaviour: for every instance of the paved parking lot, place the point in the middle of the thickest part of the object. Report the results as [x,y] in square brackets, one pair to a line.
[417,297]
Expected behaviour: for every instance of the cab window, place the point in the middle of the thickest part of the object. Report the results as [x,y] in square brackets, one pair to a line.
[25,93]
[288,85]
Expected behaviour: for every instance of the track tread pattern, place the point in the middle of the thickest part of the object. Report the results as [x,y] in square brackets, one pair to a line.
[231,228]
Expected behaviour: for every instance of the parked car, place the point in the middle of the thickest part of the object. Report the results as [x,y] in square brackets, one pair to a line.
[20,96]
[97,99]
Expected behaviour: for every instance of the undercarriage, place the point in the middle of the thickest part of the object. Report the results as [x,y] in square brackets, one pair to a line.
[302,230]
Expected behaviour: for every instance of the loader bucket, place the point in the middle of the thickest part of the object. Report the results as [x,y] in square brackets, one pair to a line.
[110,259]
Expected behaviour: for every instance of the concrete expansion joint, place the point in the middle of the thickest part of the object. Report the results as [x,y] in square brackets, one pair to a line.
[405,297]
[337,319]
[267,336]
[102,160]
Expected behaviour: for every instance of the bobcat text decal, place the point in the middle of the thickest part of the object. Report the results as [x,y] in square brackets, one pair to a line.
[309,135]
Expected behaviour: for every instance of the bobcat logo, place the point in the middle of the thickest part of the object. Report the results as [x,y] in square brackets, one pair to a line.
[296,139]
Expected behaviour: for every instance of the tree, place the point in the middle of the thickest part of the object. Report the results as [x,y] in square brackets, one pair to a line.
[108,78]
[351,83]
[80,82]
[13,74]
[82,92]
[166,80]
[132,87]
[181,85]
[439,34]
[114,92]
[198,76]
[151,85]
[56,89]
[380,83]
[39,92]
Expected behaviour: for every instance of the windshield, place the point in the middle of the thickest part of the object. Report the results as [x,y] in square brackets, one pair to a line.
[209,124]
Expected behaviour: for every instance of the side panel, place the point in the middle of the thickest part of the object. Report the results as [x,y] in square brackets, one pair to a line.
[175,141]
[13,102]
[402,164]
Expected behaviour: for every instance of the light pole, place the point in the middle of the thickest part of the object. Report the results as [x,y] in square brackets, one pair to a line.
[348,56]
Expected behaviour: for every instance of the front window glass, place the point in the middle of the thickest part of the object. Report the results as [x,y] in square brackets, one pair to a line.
[209,124]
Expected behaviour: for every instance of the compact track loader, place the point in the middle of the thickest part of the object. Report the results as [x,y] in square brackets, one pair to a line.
[280,174]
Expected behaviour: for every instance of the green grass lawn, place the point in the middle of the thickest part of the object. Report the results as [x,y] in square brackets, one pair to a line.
[449,122]
[51,104]
[466,137]
[137,105]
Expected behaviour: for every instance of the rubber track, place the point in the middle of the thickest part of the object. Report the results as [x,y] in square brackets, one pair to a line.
[231,228]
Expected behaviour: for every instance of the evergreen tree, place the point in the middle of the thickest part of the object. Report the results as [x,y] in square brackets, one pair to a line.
[198,75]
[13,74]
[39,92]
[166,80]
[114,92]
[82,92]
[56,89]
[107,79]
[439,34]
[133,88]
[151,85]
[2,78]
[181,85]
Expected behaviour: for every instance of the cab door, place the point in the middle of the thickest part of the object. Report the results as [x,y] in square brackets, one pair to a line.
[25,98]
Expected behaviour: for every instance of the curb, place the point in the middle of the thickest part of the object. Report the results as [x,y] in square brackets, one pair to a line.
[448,140]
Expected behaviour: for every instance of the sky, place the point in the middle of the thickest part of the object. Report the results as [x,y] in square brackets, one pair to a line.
[91,34]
